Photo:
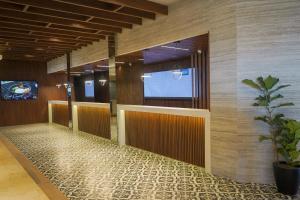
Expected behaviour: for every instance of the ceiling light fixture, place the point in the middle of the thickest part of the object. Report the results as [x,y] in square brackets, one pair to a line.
[176,48]
[29,56]
[54,40]
[145,76]
[102,82]
[78,26]
[102,66]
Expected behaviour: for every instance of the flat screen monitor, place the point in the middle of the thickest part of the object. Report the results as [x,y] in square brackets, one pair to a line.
[19,90]
[168,84]
[89,88]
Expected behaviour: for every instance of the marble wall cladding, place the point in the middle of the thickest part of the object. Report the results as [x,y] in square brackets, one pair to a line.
[268,42]
[185,19]
[85,55]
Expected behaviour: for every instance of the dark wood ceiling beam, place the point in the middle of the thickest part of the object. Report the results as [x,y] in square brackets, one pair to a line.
[13,55]
[5,43]
[45,24]
[56,20]
[14,52]
[55,5]
[42,38]
[142,5]
[81,18]
[42,35]
[34,51]
[92,4]
[136,12]
[31,48]
[95,4]
[48,30]
[12,40]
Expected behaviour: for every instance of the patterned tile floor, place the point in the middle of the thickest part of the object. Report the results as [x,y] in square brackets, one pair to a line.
[86,167]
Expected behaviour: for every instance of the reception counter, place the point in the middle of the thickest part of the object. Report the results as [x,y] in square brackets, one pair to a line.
[179,133]
[88,117]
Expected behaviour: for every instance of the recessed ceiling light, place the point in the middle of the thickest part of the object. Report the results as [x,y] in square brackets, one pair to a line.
[29,56]
[102,66]
[54,40]
[146,76]
[176,48]
[78,25]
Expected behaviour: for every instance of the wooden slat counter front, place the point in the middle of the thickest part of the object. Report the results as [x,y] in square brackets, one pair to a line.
[88,117]
[92,118]
[58,112]
[179,133]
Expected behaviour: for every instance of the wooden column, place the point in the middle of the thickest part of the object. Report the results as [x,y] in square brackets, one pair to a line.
[69,89]
[201,81]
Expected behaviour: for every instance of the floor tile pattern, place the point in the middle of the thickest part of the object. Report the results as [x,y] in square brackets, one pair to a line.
[86,167]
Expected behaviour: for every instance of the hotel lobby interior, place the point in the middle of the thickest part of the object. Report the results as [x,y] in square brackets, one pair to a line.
[149,99]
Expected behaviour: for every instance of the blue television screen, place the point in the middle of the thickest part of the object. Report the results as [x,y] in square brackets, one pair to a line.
[19,90]
[89,88]
[168,84]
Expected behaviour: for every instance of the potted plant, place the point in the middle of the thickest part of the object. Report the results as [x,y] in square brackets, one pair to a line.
[284,133]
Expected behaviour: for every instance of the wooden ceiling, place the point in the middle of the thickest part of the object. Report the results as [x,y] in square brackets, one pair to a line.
[44,29]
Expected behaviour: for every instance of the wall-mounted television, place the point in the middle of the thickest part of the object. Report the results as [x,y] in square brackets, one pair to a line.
[19,90]
[89,88]
[168,84]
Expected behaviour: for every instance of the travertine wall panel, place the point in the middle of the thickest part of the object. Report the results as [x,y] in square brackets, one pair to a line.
[85,55]
[268,42]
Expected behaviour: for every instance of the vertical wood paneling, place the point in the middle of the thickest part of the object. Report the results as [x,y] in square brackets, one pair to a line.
[94,120]
[29,111]
[178,137]
[60,114]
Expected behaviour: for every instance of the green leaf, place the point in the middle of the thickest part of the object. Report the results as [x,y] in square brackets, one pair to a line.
[284,153]
[278,96]
[294,155]
[283,104]
[264,137]
[261,82]
[270,82]
[251,84]
[297,134]
[262,118]
[278,88]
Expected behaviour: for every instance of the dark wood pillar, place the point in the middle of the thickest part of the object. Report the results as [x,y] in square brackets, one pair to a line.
[69,89]
[201,81]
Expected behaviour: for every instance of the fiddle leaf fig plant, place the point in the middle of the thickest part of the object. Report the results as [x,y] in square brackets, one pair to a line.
[288,141]
[268,97]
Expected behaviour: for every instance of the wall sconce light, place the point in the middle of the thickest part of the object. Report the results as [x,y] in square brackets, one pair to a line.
[102,82]
[145,76]
[58,85]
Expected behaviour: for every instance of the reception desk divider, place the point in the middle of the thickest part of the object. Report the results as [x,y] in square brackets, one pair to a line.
[92,118]
[179,133]
[88,117]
